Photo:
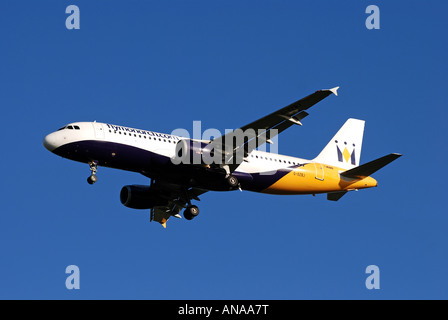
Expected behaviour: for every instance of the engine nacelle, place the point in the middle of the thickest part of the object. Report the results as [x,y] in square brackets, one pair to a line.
[140,197]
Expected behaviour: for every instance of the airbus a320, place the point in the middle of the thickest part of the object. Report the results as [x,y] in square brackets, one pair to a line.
[179,172]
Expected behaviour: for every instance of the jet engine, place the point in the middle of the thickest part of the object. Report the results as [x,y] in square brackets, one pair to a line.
[140,197]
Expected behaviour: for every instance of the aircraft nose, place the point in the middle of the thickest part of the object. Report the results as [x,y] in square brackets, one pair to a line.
[49,142]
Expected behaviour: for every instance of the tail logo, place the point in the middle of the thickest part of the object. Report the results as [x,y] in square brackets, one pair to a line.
[346,156]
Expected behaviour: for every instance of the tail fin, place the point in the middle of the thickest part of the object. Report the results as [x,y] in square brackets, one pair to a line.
[344,150]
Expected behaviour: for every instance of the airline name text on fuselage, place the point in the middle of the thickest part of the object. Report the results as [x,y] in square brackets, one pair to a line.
[138,131]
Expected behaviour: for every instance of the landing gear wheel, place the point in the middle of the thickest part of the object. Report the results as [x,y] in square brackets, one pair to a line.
[191,212]
[92,179]
[232,181]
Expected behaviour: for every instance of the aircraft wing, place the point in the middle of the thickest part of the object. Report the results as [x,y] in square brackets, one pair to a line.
[236,145]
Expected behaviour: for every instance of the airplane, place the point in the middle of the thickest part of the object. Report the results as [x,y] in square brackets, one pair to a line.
[174,184]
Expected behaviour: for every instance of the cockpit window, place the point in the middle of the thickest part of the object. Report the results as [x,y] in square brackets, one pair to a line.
[71,127]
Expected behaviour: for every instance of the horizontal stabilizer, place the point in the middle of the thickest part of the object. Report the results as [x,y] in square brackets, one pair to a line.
[369,168]
[335,196]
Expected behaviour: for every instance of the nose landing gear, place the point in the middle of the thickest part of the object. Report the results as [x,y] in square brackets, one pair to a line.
[93,169]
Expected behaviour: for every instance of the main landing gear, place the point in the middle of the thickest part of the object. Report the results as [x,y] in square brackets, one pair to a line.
[233,182]
[190,212]
[93,169]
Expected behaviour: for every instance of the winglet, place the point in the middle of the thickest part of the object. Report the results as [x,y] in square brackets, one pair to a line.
[334,90]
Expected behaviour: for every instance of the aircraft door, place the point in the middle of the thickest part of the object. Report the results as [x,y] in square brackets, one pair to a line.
[319,171]
[99,131]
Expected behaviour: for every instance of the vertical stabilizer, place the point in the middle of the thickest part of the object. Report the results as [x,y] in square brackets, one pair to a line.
[344,150]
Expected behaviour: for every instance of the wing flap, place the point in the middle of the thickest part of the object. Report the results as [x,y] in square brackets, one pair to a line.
[160,215]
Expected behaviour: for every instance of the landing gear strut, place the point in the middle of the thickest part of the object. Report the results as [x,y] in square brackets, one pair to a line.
[93,169]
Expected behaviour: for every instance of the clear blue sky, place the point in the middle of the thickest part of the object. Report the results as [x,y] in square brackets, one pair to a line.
[160,65]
